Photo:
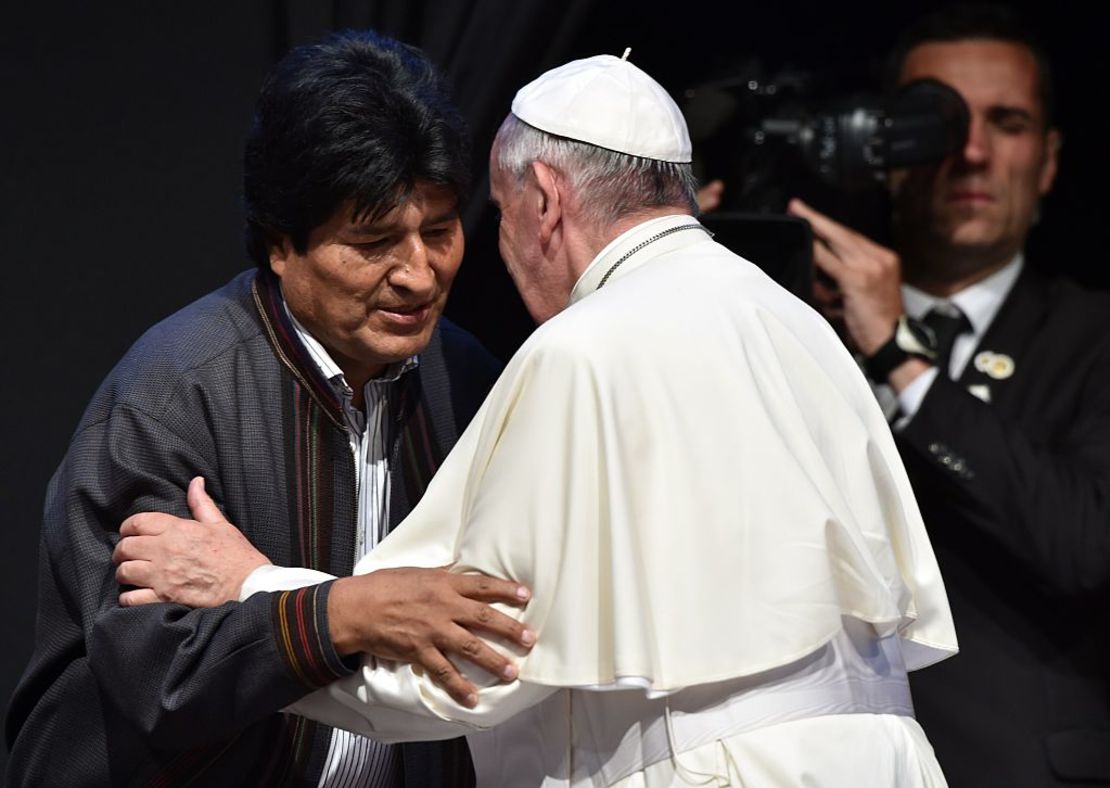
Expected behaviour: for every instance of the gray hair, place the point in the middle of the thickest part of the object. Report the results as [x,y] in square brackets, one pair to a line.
[609,185]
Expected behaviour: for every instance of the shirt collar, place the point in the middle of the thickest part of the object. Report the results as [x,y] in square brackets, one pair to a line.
[980,301]
[627,241]
[330,370]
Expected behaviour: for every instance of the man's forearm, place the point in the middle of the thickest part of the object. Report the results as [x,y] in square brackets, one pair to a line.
[391,702]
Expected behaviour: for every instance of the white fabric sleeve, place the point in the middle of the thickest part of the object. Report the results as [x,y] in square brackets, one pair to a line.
[280,578]
[392,703]
[911,397]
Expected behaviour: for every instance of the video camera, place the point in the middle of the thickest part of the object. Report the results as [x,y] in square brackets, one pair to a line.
[768,139]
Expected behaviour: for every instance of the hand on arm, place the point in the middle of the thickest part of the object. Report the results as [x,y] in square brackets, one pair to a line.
[422,616]
[200,563]
[865,294]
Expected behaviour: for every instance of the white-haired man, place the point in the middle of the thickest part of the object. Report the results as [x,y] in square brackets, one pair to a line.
[730,576]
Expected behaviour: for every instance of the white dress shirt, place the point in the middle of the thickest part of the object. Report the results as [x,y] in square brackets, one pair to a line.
[353,761]
[980,302]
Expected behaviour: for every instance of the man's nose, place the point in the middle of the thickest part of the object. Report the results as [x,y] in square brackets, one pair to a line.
[977,149]
[414,271]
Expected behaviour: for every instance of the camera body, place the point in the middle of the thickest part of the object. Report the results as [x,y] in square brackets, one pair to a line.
[764,137]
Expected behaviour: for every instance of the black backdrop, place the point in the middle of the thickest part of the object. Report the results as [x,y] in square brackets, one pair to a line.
[120,131]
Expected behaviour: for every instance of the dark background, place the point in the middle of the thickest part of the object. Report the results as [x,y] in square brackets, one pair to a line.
[120,132]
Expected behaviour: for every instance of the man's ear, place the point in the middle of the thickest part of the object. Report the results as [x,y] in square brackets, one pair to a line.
[1053,142]
[281,252]
[549,200]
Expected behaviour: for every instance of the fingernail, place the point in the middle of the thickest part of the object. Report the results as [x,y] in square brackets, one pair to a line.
[472,700]
[509,672]
[527,637]
[523,593]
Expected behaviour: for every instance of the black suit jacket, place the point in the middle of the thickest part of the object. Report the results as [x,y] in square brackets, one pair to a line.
[1016,498]
[163,695]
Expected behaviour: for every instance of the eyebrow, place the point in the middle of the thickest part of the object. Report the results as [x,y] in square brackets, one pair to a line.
[382,228]
[1004,111]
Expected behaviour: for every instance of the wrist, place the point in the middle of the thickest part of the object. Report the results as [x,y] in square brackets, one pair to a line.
[910,340]
[340,630]
[907,372]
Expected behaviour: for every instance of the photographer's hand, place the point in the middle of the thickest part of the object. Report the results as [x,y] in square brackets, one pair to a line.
[867,297]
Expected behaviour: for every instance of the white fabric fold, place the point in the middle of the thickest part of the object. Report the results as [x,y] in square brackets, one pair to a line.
[691,474]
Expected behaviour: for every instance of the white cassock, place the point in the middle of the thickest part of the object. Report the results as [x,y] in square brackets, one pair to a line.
[730,575]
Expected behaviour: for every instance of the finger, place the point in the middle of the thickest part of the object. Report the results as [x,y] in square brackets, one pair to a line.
[202,506]
[709,196]
[136,548]
[839,238]
[443,673]
[471,648]
[141,596]
[490,589]
[135,573]
[829,262]
[144,523]
[483,618]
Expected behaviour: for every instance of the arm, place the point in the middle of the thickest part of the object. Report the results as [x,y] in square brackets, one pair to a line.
[129,682]
[1047,505]
[411,615]
[394,702]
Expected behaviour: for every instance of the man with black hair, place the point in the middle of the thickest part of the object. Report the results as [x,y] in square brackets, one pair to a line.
[997,379]
[731,578]
[316,396]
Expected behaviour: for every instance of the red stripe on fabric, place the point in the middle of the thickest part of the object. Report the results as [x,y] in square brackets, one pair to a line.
[302,632]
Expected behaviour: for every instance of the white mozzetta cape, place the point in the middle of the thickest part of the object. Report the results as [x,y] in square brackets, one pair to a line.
[691,474]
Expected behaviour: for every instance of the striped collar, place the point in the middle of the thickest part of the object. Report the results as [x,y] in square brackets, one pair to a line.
[291,349]
[332,371]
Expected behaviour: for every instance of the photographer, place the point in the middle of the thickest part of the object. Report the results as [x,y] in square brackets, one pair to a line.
[1003,418]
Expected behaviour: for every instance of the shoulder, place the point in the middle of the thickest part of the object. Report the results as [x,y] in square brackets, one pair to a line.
[196,342]
[1071,312]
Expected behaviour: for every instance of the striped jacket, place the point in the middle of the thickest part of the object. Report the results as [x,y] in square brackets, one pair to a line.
[162,695]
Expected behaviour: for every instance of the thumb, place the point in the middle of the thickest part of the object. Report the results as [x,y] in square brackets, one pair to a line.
[202,506]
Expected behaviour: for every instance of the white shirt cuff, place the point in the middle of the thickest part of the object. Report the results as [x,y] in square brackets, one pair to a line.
[280,578]
[911,397]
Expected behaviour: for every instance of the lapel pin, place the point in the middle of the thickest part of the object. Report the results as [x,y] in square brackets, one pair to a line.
[997,365]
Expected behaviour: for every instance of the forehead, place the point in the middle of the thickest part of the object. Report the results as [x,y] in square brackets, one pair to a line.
[425,201]
[986,73]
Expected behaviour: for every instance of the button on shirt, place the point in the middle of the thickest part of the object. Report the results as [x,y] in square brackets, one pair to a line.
[980,302]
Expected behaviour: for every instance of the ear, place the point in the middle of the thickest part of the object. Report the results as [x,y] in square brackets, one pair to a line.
[1053,141]
[550,200]
[281,253]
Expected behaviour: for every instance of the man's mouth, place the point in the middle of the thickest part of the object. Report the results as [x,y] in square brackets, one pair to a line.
[405,314]
[970,196]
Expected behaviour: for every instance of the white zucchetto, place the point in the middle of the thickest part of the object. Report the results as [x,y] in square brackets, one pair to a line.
[608,102]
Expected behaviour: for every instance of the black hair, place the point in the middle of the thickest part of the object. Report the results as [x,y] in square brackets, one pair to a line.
[964,21]
[356,117]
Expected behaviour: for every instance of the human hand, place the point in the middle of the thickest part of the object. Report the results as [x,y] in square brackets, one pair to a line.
[866,293]
[422,616]
[199,563]
[709,195]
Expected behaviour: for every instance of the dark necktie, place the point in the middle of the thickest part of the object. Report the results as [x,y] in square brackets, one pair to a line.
[947,325]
